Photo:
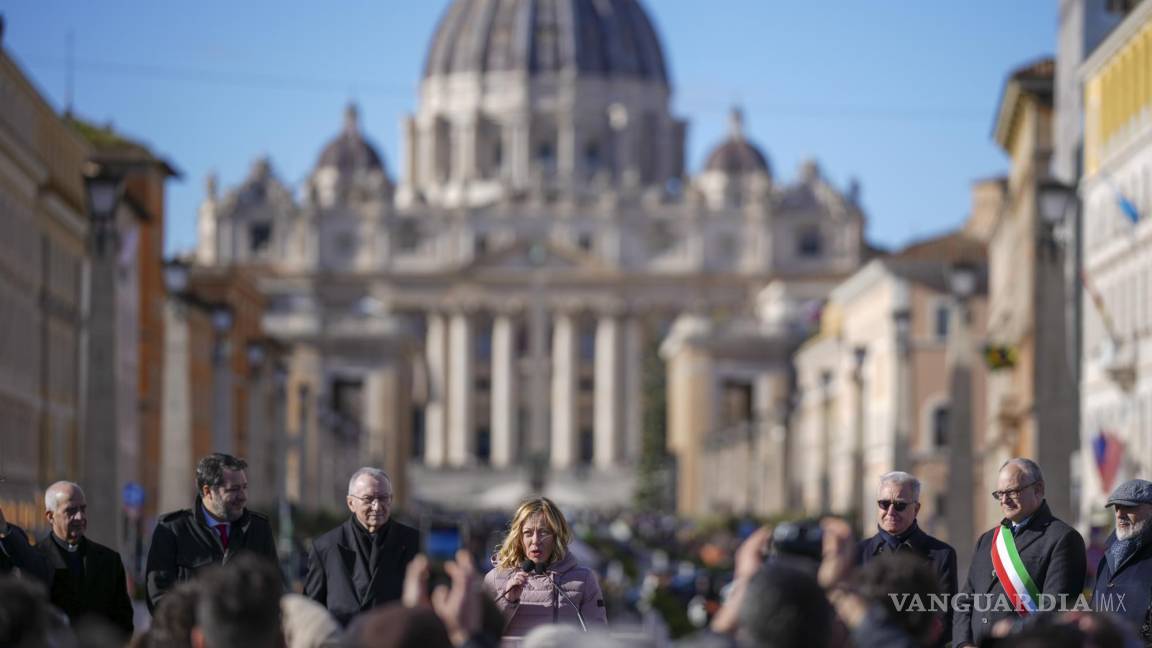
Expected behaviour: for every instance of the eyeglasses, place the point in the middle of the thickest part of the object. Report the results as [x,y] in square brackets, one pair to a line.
[381,500]
[1012,492]
[896,504]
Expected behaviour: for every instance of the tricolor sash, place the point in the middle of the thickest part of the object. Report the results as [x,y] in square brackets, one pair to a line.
[1010,570]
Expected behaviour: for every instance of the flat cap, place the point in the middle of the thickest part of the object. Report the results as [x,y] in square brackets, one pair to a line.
[1131,493]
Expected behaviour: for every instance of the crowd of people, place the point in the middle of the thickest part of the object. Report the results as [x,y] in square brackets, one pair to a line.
[212,578]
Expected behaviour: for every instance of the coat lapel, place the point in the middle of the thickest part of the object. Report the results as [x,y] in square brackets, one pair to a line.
[350,556]
[388,554]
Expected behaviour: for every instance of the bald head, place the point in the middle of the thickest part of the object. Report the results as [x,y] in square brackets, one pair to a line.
[66,511]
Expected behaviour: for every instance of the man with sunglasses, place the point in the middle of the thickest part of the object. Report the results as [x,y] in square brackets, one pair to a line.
[898,504]
[1022,566]
[361,563]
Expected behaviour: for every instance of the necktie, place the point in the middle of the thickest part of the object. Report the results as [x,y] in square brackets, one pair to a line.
[222,529]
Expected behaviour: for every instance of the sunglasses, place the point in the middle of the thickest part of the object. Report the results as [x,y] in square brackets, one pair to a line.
[896,504]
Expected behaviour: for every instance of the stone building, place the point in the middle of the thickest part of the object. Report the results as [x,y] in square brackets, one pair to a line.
[1116,194]
[487,313]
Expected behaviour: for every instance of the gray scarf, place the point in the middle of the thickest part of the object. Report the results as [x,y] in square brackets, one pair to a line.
[1120,551]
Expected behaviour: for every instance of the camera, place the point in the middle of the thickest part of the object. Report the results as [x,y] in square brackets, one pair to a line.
[802,538]
[440,539]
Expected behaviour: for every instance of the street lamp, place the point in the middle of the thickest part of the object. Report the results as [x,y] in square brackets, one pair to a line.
[103,189]
[963,280]
[222,395]
[176,274]
[902,322]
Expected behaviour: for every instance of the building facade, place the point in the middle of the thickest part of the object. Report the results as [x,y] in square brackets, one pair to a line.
[1116,194]
[1033,402]
[498,298]
[876,387]
[43,270]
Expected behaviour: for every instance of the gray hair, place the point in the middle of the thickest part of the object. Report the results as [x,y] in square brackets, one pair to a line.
[374,473]
[52,495]
[901,478]
[1031,468]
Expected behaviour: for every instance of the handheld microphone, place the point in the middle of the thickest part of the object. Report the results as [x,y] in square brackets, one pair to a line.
[528,566]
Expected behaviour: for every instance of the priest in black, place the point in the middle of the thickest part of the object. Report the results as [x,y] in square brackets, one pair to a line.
[88,578]
[361,563]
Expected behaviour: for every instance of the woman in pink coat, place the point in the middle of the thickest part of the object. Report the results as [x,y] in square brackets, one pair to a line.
[536,581]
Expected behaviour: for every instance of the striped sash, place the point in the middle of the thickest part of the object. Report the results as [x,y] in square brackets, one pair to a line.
[1010,570]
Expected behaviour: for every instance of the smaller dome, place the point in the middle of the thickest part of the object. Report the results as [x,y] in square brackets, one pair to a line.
[736,155]
[349,151]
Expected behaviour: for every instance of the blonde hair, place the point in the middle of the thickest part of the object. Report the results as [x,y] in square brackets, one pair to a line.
[511,551]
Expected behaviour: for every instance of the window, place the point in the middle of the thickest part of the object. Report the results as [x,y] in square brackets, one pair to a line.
[483,384]
[259,237]
[661,238]
[940,423]
[591,157]
[736,402]
[587,342]
[584,241]
[484,444]
[587,443]
[809,244]
[408,236]
[943,315]
[346,244]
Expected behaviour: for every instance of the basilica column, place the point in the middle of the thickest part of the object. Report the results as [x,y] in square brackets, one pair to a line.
[504,402]
[608,391]
[564,366]
[633,361]
[436,410]
[461,435]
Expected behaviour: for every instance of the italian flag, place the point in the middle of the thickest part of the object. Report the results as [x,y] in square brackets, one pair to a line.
[1010,570]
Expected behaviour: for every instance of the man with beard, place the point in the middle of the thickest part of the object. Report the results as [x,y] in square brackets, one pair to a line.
[898,501]
[214,531]
[88,577]
[1124,577]
[361,563]
[1029,556]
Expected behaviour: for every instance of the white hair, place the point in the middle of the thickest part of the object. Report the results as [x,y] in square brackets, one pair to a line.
[374,473]
[55,491]
[900,478]
[1031,468]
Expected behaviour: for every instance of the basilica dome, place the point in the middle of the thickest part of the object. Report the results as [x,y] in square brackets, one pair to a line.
[349,152]
[611,39]
[736,155]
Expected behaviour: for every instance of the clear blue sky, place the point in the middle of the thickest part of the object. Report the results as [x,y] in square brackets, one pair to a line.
[898,93]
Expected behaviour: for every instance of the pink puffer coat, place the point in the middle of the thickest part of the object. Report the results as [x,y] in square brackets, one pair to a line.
[540,603]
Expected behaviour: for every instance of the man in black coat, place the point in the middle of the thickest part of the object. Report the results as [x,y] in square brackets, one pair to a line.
[18,557]
[88,578]
[1052,554]
[218,527]
[898,502]
[361,563]
[1124,576]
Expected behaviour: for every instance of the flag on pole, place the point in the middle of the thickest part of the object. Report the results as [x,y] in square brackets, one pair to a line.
[1109,451]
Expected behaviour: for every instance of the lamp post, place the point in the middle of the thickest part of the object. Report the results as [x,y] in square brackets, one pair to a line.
[859,354]
[825,440]
[101,443]
[222,378]
[902,322]
[962,278]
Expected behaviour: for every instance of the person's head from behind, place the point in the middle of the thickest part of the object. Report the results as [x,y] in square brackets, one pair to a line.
[396,626]
[898,501]
[893,578]
[239,605]
[783,607]
[25,614]
[223,485]
[174,617]
[538,533]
